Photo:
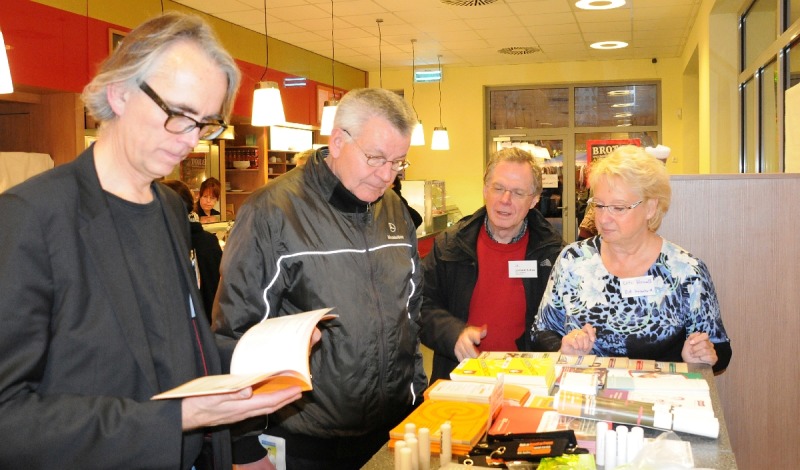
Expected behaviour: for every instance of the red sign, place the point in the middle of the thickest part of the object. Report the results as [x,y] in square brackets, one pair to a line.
[598,149]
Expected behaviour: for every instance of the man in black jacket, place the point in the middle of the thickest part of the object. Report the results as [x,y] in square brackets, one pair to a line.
[485,276]
[331,234]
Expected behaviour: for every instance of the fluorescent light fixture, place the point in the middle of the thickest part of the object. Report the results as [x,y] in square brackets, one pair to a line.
[440,139]
[599,4]
[6,86]
[623,115]
[623,105]
[418,135]
[267,105]
[540,152]
[607,45]
[290,82]
[328,113]
[620,92]
[424,76]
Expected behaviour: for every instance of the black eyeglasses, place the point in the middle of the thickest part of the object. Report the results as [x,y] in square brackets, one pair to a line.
[179,123]
[372,160]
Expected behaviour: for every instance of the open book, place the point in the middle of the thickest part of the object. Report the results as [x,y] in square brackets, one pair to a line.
[270,356]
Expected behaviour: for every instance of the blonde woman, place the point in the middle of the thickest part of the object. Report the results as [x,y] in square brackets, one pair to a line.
[627,291]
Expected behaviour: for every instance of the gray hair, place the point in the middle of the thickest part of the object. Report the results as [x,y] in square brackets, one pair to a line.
[635,168]
[515,155]
[133,61]
[361,104]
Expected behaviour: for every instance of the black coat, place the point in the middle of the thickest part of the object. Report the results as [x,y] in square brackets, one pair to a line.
[77,372]
[451,272]
[209,257]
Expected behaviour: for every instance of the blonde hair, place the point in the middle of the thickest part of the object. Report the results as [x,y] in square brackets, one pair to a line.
[631,166]
[515,155]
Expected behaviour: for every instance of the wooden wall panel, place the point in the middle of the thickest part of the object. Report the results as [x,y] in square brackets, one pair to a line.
[52,124]
[15,132]
[747,228]
[62,125]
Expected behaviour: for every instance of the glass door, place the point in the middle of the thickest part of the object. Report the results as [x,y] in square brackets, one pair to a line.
[556,156]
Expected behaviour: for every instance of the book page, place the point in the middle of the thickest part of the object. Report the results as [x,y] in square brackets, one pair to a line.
[270,356]
[211,385]
[277,344]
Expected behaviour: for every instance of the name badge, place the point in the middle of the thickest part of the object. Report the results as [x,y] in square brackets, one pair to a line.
[637,286]
[529,269]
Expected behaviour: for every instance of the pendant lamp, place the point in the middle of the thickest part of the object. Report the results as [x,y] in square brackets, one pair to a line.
[418,135]
[380,53]
[440,139]
[267,104]
[6,86]
[329,109]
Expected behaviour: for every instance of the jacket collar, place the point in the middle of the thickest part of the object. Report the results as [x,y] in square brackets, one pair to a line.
[98,230]
[332,188]
[465,235]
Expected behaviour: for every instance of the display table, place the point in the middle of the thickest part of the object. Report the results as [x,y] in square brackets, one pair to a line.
[708,453]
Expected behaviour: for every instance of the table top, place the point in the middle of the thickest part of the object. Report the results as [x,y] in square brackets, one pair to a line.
[707,452]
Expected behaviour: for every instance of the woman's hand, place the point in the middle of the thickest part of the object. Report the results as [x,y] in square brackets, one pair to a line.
[578,342]
[698,348]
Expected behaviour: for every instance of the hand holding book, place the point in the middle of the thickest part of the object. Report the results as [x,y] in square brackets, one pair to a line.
[213,410]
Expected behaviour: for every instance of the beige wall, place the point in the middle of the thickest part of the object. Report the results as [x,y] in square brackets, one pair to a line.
[714,39]
[463,113]
[699,103]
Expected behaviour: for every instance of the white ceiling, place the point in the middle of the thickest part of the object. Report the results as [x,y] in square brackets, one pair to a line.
[464,35]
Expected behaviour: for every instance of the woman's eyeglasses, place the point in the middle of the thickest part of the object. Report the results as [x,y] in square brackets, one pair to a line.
[613,209]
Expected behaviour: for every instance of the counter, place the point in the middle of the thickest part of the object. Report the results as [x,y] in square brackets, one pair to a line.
[708,453]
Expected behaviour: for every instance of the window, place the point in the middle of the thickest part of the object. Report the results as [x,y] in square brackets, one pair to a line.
[616,106]
[556,121]
[529,108]
[768,137]
[759,26]
[770,66]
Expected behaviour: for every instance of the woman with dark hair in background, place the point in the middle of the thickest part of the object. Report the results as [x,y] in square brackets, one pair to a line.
[209,195]
[205,245]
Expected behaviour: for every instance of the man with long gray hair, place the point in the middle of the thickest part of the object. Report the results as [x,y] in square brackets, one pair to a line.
[100,307]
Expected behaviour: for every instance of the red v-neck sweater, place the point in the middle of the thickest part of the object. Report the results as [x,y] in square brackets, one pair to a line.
[498,301]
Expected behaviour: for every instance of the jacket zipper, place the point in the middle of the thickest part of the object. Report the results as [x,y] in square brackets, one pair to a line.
[381,337]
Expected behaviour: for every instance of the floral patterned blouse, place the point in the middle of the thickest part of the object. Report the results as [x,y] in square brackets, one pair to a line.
[678,301]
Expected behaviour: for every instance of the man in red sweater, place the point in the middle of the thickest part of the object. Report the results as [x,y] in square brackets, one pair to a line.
[486,274]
